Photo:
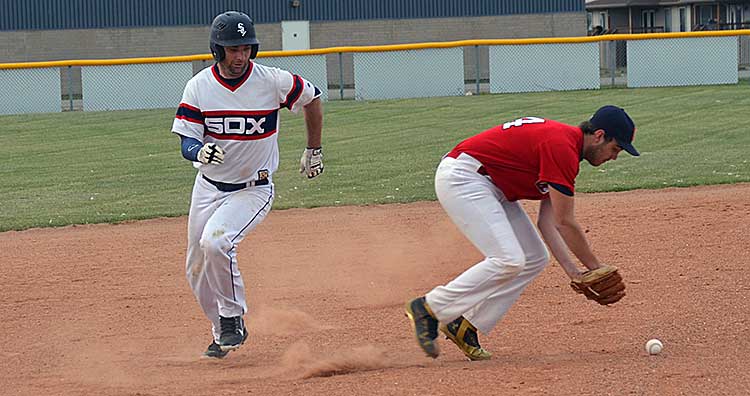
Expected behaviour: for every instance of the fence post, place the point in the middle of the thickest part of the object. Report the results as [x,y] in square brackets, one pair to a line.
[70,86]
[612,61]
[476,55]
[341,75]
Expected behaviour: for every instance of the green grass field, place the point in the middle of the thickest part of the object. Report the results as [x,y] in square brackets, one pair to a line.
[77,168]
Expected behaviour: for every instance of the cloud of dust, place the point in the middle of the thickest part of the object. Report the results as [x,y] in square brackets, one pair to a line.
[275,321]
[402,259]
[299,362]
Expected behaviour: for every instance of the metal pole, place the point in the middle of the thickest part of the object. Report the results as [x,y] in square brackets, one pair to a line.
[341,75]
[612,60]
[476,55]
[630,20]
[70,86]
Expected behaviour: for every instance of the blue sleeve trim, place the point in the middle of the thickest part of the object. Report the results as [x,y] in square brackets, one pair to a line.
[559,187]
[190,148]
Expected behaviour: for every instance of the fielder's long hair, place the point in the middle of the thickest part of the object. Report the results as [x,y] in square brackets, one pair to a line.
[588,129]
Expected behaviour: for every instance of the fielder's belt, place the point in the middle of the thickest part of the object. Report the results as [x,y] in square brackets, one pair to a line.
[229,187]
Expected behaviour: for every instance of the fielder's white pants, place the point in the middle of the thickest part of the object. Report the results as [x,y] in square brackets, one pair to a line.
[217,222]
[502,231]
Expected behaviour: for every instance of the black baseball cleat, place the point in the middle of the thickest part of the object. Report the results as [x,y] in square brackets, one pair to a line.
[425,325]
[464,335]
[233,333]
[214,351]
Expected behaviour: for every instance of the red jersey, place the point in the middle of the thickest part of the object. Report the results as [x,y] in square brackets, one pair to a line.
[524,155]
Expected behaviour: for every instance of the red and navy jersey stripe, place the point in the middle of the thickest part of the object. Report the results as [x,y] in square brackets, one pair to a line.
[189,113]
[294,93]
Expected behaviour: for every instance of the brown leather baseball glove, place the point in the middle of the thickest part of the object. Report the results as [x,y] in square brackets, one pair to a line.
[603,285]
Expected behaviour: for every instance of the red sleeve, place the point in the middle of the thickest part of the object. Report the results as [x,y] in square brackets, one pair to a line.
[558,163]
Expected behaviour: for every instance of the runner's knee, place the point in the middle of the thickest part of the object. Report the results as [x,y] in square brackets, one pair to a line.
[215,243]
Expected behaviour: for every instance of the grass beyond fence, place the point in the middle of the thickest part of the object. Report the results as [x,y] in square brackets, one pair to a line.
[77,168]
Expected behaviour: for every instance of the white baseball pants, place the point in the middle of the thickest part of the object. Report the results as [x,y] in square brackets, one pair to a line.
[502,231]
[217,222]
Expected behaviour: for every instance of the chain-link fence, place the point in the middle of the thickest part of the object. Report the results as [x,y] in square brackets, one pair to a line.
[409,74]
[401,71]
[141,86]
[677,62]
[543,67]
[30,91]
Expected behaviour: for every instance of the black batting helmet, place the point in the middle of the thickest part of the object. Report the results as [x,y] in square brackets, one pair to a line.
[229,29]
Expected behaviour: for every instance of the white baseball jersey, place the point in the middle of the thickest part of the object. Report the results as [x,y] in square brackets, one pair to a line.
[243,119]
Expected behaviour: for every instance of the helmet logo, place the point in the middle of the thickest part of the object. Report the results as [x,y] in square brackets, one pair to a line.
[241,29]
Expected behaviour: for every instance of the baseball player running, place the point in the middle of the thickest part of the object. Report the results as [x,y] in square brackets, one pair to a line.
[479,184]
[228,123]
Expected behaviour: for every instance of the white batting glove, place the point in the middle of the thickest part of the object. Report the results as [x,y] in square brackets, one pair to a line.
[311,163]
[210,153]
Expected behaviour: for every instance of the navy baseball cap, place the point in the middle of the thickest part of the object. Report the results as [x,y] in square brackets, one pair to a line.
[617,124]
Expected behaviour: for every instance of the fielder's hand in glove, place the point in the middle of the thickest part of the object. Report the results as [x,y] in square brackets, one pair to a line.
[311,163]
[210,153]
[603,285]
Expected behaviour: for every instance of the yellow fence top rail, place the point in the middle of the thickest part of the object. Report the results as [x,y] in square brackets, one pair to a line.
[381,48]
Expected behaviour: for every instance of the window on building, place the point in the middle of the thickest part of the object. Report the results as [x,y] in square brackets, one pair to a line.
[734,16]
[705,14]
[603,20]
[683,19]
[668,20]
[647,20]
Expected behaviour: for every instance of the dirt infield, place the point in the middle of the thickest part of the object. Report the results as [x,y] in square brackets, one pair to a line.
[106,309]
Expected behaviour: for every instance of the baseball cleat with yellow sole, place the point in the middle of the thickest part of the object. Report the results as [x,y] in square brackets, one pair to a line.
[464,335]
[425,325]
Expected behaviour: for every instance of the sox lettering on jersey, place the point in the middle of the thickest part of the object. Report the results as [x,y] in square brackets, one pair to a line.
[236,125]
[239,125]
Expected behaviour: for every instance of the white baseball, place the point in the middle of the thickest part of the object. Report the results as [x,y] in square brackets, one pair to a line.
[654,346]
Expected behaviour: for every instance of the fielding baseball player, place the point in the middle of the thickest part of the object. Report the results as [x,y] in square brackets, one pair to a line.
[228,123]
[479,184]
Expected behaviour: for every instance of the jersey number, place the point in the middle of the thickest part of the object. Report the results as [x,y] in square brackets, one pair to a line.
[523,120]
